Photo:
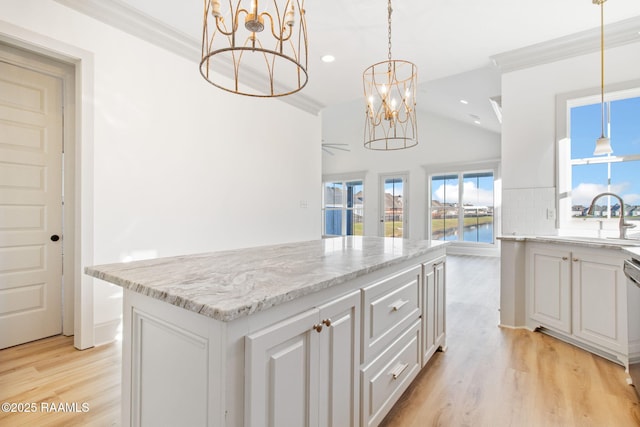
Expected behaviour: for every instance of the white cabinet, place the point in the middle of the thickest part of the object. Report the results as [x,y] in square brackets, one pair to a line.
[340,356]
[440,314]
[433,308]
[339,363]
[599,300]
[282,373]
[549,293]
[347,362]
[303,371]
[388,375]
[580,293]
[390,306]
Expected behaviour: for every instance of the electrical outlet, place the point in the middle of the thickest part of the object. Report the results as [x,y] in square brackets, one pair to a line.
[551,214]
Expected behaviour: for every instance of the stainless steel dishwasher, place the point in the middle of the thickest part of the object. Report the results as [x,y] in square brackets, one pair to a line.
[632,271]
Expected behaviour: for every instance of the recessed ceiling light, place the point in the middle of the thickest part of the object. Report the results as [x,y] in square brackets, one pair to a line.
[328,58]
[464,101]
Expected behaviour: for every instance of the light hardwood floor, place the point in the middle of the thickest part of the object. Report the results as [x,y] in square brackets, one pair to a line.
[51,371]
[489,376]
[492,376]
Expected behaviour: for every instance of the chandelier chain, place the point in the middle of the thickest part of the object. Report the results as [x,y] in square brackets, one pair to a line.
[389,10]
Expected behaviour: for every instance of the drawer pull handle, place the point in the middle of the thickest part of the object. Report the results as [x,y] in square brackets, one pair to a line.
[397,305]
[398,370]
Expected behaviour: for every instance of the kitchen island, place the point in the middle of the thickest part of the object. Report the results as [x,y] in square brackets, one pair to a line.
[325,332]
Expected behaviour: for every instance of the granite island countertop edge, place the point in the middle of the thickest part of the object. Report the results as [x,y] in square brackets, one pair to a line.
[241,289]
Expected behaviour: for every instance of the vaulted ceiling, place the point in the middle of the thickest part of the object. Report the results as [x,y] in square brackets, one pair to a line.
[454,43]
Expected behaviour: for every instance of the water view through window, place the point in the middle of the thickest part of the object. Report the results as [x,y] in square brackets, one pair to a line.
[469,221]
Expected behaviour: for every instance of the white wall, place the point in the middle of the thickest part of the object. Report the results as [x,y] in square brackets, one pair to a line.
[529,131]
[179,165]
[441,141]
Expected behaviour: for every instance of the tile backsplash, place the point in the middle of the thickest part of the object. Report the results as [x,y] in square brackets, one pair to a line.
[529,211]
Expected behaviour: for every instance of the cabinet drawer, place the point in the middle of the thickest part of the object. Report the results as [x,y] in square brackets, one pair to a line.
[390,306]
[385,379]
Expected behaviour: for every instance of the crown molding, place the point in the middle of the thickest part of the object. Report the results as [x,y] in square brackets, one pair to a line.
[120,15]
[584,42]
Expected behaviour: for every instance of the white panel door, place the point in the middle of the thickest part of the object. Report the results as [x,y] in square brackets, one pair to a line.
[281,383]
[30,205]
[340,362]
[550,288]
[599,300]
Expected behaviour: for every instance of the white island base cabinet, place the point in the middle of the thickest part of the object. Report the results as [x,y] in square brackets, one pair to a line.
[341,356]
[299,375]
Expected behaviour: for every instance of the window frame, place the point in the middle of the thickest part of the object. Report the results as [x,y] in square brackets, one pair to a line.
[344,179]
[565,222]
[461,169]
[382,177]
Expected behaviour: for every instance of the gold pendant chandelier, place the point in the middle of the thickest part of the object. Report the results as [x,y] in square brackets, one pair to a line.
[390,92]
[603,144]
[255,48]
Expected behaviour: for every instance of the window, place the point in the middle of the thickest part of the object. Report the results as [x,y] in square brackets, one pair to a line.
[393,206]
[469,221]
[586,175]
[343,208]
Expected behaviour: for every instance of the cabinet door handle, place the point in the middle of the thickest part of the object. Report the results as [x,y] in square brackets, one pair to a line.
[327,322]
[397,305]
[398,370]
[318,328]
[564,258]
[576,260]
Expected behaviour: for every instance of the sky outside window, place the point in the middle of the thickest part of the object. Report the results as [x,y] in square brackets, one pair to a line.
[589,180]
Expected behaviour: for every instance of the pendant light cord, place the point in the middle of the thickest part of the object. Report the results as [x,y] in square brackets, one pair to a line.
[602,64]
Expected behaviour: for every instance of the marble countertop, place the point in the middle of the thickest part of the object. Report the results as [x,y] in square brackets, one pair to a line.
[630,246]
[633,251]
[230,284]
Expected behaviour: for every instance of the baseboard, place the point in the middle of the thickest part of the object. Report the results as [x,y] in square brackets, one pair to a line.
[613,357]
[500,325]
[107,332]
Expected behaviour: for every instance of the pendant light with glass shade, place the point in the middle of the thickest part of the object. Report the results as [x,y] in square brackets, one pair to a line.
[255,47]
[603,144]
[390,92]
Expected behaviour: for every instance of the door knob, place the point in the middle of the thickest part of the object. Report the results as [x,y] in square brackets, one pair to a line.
[55,237]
